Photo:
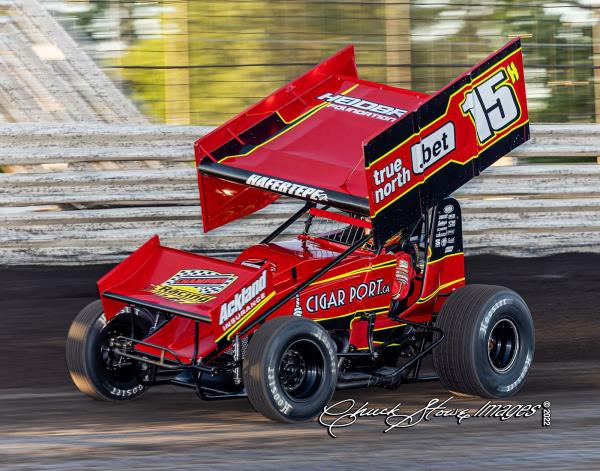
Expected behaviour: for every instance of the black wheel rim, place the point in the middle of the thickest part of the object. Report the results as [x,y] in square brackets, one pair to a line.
[503,345]
[301,369]
[118,369]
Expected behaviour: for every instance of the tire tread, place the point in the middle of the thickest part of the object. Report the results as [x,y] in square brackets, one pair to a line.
[75,350]
[458,319]
[254,361]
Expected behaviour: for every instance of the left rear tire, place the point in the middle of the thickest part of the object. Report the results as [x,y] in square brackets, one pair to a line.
[94,369]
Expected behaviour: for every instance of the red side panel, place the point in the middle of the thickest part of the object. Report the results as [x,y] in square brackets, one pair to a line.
[224,201]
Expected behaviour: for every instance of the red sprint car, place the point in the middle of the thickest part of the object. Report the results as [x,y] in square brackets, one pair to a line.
[363,281]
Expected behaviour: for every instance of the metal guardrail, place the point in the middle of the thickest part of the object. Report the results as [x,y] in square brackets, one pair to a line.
[96,142]
[91,193]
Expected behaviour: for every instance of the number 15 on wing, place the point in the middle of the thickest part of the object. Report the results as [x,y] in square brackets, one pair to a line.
[492,104]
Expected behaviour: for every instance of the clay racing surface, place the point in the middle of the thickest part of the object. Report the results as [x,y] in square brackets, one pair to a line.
[46,424]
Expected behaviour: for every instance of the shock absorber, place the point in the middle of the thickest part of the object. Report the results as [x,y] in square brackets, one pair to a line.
[237,357]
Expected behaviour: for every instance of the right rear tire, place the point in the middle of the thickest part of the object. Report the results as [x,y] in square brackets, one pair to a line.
[488,342]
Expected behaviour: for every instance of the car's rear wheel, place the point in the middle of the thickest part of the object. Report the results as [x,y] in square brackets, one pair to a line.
[488,344]
[94,368]
[290,369]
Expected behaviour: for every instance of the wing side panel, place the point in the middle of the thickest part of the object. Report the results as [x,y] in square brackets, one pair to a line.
[453,136]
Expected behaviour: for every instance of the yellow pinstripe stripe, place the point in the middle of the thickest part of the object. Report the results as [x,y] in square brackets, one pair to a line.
[389,327]
[229,332]
[379,266]
[444,257]
[306,112]
[308,115]
[299,120]
[427,298]
[374,309]
[375,342]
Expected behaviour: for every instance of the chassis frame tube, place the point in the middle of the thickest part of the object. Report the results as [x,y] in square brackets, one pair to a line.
[260,319]
[287,223]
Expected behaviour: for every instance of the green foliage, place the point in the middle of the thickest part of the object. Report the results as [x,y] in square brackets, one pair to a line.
[239,51]
[557,52]
[147,85]
[240,54]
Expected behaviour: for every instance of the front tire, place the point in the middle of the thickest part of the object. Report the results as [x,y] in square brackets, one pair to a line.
[488,344]
[93,368]
[290,369]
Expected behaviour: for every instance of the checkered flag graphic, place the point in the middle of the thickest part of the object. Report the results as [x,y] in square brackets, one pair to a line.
[205,281]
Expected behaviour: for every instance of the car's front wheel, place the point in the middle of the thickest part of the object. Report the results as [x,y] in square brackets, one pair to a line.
[94,368]
[290,369]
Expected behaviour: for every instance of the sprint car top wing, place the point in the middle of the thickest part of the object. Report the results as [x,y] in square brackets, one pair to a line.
[382,152]
[305,141]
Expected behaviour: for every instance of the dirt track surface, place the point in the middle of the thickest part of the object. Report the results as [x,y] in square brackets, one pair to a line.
[46,424]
